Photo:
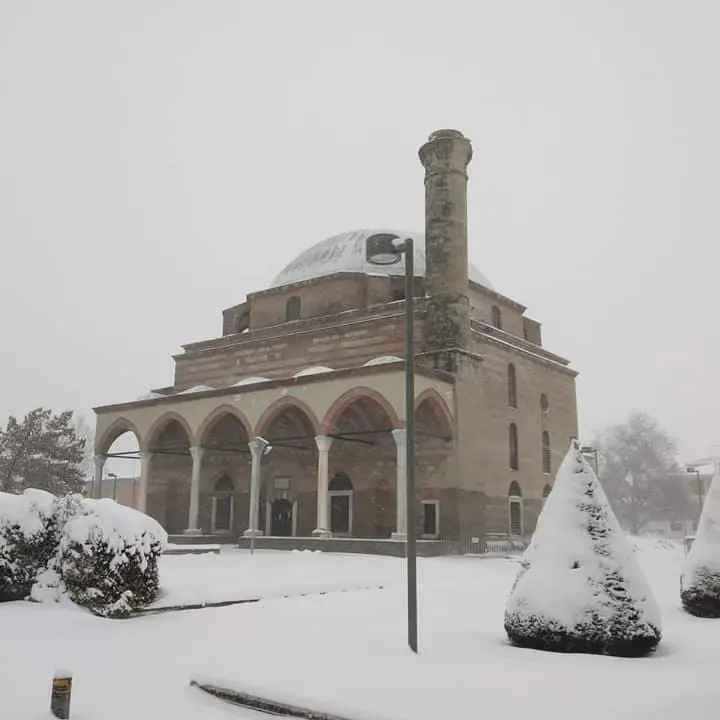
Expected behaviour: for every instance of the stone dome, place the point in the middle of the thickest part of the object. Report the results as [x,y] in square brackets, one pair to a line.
[346,253]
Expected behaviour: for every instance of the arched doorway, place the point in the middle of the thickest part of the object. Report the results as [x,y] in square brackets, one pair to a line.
[288,487]
[433,445]
[363,446]
[225,478]
[340,491]
[221,515]
[282,516]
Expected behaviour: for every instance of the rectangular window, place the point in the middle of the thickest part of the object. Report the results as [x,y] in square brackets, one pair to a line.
[431,519]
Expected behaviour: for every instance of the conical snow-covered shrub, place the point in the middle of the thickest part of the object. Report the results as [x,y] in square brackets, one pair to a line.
[580,588]
[700,580]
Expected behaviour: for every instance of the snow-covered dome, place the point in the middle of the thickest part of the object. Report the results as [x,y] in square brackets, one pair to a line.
[346,253]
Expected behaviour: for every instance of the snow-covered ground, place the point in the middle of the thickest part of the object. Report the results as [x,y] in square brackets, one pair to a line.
[347,650]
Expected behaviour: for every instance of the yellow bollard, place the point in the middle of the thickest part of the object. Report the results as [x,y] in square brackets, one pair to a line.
[60,696]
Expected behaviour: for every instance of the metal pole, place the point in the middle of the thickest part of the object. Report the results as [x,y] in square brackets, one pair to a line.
[410,448]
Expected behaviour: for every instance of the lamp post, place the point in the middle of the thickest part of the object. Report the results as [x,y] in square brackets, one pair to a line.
[388,249]
[115,484]
[699,490]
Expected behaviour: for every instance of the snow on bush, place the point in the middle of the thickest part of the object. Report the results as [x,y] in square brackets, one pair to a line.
[700,579]
[108,557]
[28,538]
[580,588]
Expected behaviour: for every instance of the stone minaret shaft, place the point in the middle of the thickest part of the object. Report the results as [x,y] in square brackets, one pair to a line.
[446,156]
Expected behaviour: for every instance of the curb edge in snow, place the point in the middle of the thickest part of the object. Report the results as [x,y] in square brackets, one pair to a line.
[140,612]
[262,704]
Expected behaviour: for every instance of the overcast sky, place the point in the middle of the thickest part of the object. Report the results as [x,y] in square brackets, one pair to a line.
[159,159]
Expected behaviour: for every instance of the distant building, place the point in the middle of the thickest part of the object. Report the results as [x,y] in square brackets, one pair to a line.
[313,364]
[125,490]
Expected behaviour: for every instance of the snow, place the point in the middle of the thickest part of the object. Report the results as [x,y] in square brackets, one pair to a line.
[382,360]
[26,510]
[119,526]
[565,569]
[212,578]
[195,389]
[347,651]
[150,396]
[705,551]
[315,370]
[250,381]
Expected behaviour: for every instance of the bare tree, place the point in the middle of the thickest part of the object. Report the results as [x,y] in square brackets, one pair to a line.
[639,471]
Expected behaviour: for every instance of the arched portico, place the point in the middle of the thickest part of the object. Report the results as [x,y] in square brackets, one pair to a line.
[313,426]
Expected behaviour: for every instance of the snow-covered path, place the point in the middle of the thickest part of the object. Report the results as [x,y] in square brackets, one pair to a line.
[347,651]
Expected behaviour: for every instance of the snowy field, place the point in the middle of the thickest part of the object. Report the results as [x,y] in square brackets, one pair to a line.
[346,651]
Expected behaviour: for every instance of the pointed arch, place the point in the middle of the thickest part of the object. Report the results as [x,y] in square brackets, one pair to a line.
[436,401]
[546,491]
[216,415]
[515,490]
[161,423]
[353,395]
[117,428]
[278,407]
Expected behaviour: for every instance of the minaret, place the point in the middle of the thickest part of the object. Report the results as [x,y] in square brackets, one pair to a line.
[445,157]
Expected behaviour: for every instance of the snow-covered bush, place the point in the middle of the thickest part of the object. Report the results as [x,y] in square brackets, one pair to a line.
[28,539]
[580,588]
[108,555]
[700,580]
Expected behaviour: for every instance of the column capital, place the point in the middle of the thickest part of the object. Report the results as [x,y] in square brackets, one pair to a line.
[258,446]
[400,436]
[323,443]
[197,452]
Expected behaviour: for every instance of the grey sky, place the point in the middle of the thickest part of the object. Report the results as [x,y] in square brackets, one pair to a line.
[161,158]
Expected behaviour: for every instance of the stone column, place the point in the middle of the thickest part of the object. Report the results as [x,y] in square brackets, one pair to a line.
[145,459]
[194,514]
[257,450]
[323,443]
[400,437]
[99,467]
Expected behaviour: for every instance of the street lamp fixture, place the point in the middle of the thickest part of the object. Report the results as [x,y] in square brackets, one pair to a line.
[388,249]
[115,484]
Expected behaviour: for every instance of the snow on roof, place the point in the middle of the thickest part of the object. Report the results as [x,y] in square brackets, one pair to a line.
[251,380]
[346,253]
[150,396]
[382,360]
[195,389]
[315,370]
